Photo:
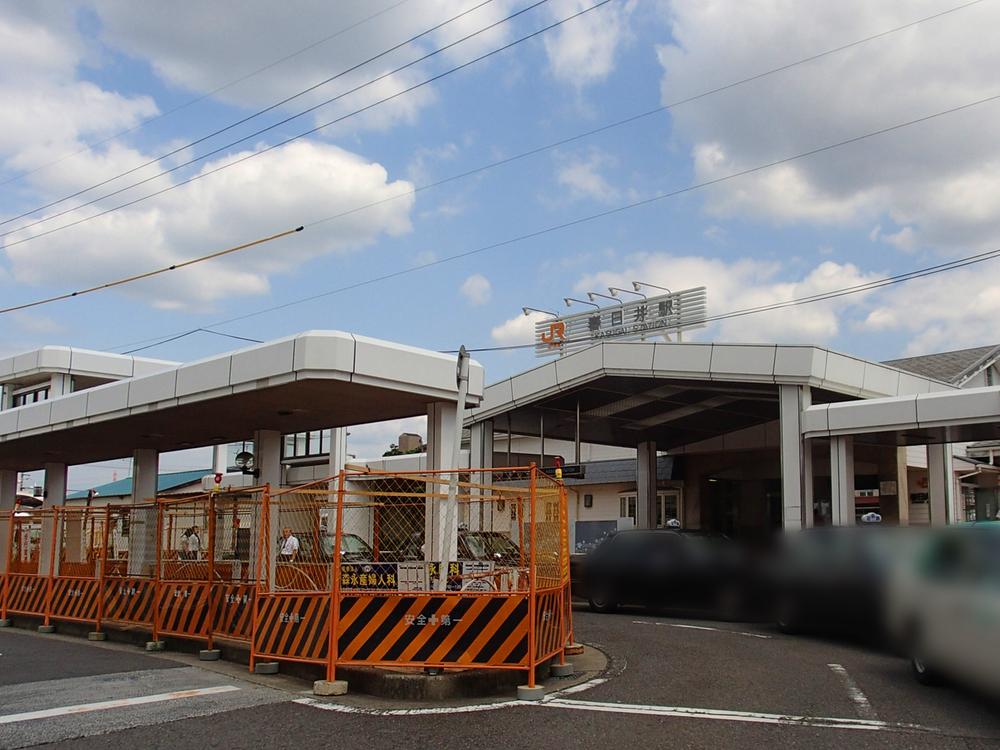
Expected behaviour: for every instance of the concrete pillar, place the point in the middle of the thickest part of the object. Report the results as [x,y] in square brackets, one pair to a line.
[441,417]
[8,494]
[142,521]
[940,484]
[808,485]
[55,496]
[338,451]
[60,384]
[902,487]
[842,481]
[481,457]
[645,485]
[791,400]
[267,461]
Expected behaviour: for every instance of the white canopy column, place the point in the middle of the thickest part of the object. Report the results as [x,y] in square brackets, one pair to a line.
[645,482]
[941,483]
[55,496]
[842,480]
[142,520]
[8,496]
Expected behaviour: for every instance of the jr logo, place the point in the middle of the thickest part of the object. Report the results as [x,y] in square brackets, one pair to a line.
[555,335]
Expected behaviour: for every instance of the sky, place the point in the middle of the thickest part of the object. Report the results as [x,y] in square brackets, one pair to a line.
[93,89]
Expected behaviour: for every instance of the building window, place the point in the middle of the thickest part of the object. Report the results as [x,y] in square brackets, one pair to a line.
[306,444]
[31,397]
[588,501]
[627,507]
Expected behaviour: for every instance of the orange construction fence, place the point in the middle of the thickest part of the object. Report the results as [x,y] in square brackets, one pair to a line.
[444,569]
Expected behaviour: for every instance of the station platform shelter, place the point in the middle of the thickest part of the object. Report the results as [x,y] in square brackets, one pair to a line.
[730,438]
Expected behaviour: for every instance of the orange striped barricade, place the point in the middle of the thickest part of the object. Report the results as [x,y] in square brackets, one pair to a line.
[26,584]
[434,630]
[235,548]
[76,583]
[129,554]
[184,567]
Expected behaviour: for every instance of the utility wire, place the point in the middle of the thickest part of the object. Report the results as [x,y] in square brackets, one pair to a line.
[601,214]
[609,126]
[246,119]
[206,95]
[149,274]
[968,260]
[261,131]
[191,333]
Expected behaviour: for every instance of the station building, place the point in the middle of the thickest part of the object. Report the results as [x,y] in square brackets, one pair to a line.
[743,440]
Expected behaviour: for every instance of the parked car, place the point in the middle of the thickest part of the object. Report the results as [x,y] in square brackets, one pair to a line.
[491,546]
[671,569]
[944,609]
[319,549]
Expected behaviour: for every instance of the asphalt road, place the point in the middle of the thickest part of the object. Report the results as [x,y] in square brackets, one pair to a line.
[681,683]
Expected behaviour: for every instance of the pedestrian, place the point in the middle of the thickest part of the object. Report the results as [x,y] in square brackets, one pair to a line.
[194,544]
[289,549]
[183,545]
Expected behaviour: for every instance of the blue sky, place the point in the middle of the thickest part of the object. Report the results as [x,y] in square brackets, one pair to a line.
[72,74]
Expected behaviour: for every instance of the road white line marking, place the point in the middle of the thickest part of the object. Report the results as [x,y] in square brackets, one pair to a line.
[84,708]
[578,688]
[344,709]
[752,717]
[702,627]
[857,696]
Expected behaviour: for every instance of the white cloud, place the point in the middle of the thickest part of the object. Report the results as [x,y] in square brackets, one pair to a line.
[582,178]
[188,51]
[477,289]
[301,181]
[583,51]
[518,330]
[940,179]
[967,317]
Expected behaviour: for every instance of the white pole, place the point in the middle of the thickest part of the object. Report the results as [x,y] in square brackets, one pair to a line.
[449,537]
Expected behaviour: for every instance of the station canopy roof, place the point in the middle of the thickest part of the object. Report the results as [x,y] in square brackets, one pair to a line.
[311,381]
[679,393]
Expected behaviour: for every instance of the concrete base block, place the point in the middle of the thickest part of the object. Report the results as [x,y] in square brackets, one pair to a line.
[525,693]
[562,670]
[330,687]
[96,636]
[5,623]
[46,628]
[210,654]
[574,649]
[265,667]
[155,646]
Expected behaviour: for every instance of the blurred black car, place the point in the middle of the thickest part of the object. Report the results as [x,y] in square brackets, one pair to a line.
[671,569]
[834,580]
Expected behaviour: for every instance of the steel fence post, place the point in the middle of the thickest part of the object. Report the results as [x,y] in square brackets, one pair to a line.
[52,561]
[158,506]
[260,572]
[334,619]
[7,566]
[211,571]
[532,562]
[103,562]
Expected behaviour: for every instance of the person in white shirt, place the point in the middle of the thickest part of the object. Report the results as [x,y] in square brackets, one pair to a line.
[289,546]
[194,544]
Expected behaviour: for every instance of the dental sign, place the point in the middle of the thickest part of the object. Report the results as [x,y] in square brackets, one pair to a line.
[629,321]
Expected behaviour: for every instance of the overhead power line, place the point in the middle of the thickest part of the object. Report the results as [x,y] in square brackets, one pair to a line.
[919,273]
[242,121]
[286,141]
[595,216]
[604,128]
[149,274]
[208,94]
[191,333]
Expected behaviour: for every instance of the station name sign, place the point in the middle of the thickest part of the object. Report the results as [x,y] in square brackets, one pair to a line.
[668,313]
